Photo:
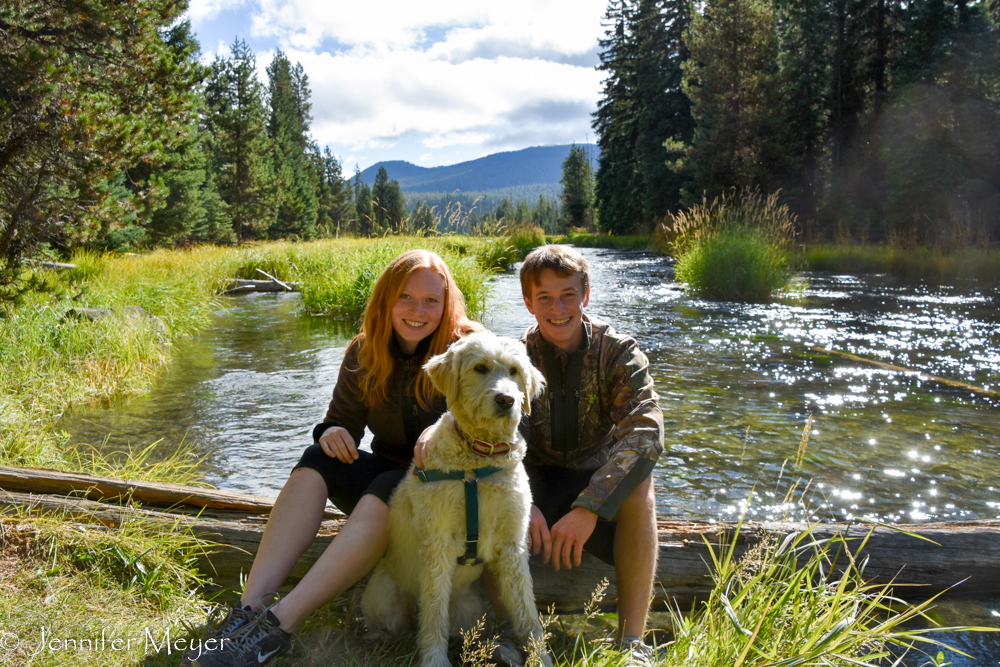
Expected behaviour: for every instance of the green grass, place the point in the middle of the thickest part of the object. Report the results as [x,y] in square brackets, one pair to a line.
[734,265]
[583,240]
[909,263]
[801,602]
[78,581]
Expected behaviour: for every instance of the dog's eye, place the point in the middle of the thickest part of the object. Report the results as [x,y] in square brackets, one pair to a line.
[481,368]
[513,370]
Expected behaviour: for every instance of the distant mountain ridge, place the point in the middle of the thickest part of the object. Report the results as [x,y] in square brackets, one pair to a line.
[539,165]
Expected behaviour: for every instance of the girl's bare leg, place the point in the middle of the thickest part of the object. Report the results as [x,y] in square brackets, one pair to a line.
[291,529]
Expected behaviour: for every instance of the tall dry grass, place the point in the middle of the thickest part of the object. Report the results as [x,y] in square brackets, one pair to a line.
[733,210]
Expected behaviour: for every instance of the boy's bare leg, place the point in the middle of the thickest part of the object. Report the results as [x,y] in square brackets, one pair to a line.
[636,549]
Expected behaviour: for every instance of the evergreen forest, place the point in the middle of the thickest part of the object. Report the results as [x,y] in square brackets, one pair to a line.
[877,120]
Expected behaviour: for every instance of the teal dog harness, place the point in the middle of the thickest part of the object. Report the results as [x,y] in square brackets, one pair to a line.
[471,556]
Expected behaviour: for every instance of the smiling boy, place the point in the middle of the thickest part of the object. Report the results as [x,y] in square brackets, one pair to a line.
[594,436]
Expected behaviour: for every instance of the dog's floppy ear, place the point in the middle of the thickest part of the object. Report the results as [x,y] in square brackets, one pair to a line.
[534,382]
[443,370]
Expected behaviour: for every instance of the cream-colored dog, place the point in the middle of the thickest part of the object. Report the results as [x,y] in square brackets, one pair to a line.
[488,381]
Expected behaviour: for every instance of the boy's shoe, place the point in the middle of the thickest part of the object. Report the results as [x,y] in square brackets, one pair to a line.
[234,619]
[636,652]
[257,643]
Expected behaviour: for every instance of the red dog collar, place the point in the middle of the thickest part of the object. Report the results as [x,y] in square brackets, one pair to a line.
[483,448]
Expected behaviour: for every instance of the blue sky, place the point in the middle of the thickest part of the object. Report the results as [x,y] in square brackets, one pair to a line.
[432,83]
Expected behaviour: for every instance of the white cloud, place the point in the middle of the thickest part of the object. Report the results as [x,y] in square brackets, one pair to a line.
[500,75]
[375,101]
[426,156]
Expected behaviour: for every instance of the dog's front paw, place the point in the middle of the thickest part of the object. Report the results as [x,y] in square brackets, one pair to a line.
[378,634]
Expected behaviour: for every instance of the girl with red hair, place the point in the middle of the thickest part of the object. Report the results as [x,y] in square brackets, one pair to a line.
[415,311]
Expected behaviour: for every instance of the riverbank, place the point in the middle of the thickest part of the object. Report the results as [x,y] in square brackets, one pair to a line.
[581,240]
[981,264]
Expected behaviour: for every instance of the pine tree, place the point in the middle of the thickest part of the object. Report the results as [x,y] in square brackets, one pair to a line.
[505,211]
[732,81]
[333,194]
[805,49]
[87,89]
[288,129]
[663,110]
[187,206]
[617,183]
[393,206]
[364,210]
[578,189]
[239,142]
[938,168]
[380,194]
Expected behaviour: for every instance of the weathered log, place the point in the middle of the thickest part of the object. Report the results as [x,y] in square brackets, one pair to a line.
[49,265]
[268,275]
[159,494]
[94,314]
[916,567]
[240,285]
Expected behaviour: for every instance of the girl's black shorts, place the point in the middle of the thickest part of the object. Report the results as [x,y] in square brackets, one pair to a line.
[347,482]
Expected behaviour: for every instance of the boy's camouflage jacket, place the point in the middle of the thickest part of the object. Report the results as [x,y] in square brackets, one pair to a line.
[598,412]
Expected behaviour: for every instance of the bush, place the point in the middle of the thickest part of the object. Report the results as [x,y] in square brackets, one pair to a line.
[734,248]
[734,265]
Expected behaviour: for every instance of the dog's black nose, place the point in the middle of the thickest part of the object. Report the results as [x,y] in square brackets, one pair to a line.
[504,401]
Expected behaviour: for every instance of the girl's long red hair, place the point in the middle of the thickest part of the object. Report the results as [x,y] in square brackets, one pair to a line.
[376,328]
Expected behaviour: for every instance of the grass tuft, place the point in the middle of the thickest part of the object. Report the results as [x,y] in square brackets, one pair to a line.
[582,239]
[89,585]
[734,265]
[734,248]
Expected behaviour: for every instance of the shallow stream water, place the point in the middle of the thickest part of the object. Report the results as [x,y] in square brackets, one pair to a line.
[738,386]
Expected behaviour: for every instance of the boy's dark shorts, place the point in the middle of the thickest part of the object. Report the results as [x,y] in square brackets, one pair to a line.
[347,482]
[553,490]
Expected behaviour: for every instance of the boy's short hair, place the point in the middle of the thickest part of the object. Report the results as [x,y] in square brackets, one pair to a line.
[562,259]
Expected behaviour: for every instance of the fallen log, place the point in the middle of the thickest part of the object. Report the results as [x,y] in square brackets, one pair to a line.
[920,375]
[240,285]
[158,494]
[957,551]
[50,265]
[268,275]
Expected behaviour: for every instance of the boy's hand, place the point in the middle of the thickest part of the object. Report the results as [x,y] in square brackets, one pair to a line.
[338,444]
[422,449]
[569,534]
[539,538]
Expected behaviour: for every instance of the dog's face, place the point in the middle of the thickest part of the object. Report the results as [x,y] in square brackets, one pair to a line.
[488,381]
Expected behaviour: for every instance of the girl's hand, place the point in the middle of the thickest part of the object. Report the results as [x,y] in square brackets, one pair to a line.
[337,443]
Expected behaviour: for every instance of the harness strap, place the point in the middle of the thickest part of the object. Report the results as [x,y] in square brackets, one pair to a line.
[471,555]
